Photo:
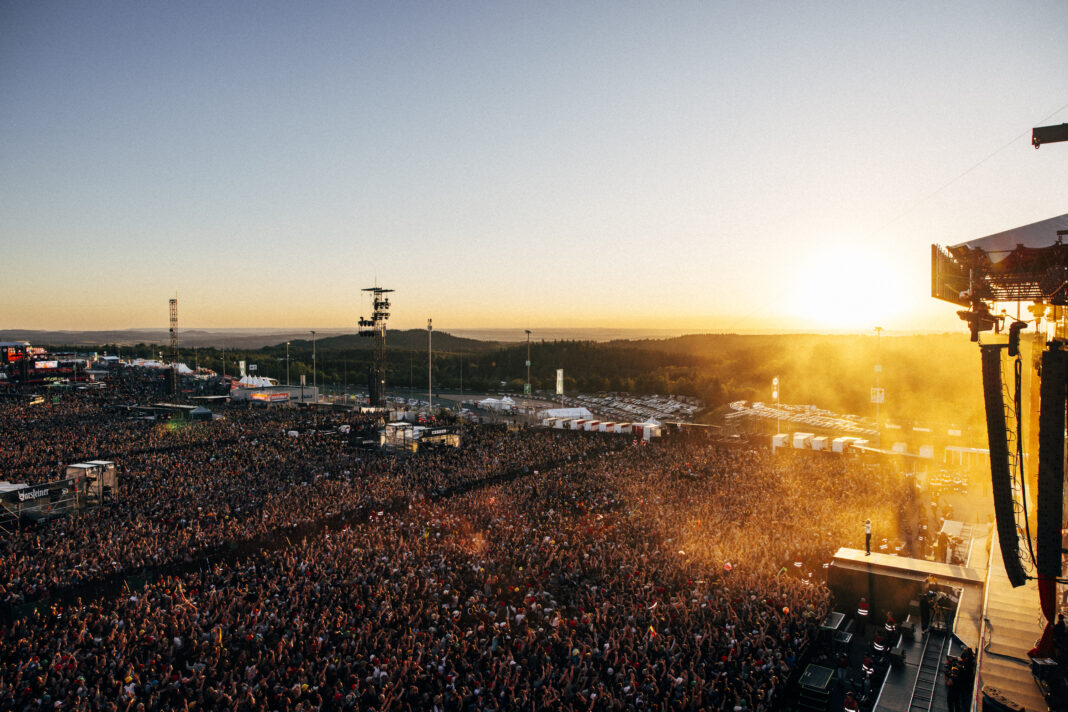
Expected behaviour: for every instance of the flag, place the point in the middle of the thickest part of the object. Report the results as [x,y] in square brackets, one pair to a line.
[652,633]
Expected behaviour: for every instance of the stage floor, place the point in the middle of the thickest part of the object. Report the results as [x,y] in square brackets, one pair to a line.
[1015,625]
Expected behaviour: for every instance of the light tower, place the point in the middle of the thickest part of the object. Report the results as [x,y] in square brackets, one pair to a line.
[375,327]
[174,329]
[526,388]
[429,364]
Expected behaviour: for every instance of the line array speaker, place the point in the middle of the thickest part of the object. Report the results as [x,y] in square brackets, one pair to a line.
[1000,478]
[1051,462]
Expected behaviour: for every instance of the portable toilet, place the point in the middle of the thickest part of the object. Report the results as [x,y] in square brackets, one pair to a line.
[590,426]
[801,440]
[607,427]
[840,444]
[819,443]
[778,441]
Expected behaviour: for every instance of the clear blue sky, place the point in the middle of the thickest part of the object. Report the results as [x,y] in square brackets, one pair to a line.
[705,166]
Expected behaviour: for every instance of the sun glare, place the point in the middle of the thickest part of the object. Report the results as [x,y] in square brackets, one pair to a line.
[844,289]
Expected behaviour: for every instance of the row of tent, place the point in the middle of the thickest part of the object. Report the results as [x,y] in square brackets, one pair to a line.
[152,363]
[808,441]
[255,382]
[651,429]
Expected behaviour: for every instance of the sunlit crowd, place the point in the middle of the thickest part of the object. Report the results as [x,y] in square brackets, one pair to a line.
[530,569]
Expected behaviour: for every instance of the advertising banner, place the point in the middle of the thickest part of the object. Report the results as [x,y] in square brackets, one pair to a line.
[45,493]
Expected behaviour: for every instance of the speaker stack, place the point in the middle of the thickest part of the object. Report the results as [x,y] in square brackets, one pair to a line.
[1000,478]
[1051,461]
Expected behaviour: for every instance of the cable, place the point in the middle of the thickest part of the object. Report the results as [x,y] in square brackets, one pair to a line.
[951,181]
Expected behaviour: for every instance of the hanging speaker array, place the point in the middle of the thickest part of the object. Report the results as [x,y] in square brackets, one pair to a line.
[1000,476]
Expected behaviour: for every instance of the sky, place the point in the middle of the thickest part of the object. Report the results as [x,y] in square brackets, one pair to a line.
[701,166]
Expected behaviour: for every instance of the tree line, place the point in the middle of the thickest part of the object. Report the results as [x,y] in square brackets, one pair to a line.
[926,378]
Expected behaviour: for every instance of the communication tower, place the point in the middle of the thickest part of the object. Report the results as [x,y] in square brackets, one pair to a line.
[375,327]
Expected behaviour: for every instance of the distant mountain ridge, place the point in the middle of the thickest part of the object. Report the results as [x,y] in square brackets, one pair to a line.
[228,338]
[326,339]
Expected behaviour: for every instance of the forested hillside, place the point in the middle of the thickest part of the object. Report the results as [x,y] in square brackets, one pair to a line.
[933,378]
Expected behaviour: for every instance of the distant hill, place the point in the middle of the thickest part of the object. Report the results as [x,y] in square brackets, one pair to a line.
[928,378]
[327,340]
[402,340]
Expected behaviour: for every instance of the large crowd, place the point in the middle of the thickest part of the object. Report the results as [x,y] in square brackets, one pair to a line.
[528,569]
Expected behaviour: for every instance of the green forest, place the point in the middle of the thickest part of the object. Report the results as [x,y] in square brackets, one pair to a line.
[932,378]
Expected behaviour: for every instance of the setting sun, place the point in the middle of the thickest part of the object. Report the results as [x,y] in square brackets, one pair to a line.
[844,289]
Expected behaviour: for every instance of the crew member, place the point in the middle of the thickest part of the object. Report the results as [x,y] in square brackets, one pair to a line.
[862,615]
[867,537]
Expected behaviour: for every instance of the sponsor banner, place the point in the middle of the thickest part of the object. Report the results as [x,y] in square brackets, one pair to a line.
[46,492]
[559,381]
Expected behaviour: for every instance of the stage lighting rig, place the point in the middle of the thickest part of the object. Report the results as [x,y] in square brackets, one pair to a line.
[375,328]
[980,319]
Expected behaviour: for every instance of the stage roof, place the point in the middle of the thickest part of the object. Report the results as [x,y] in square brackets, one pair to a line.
[1027,263]
[1036,235]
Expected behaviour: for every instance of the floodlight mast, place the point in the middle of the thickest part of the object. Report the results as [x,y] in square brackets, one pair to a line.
[174,328]
[375,328]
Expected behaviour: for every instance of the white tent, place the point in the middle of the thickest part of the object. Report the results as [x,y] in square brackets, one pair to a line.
[505,403]
[566,413]
[255,382]
[148,363]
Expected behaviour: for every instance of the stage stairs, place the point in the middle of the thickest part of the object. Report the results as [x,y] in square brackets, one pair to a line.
[927,677]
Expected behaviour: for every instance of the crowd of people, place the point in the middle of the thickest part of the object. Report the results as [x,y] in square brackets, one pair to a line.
[599,574]
[193,488]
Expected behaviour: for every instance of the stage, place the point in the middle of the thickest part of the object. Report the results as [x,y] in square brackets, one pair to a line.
[1013,621]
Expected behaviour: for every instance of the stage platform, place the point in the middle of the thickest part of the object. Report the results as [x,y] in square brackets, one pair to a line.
[1013,619]
[1015,623]
[892,582]
[914,569]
